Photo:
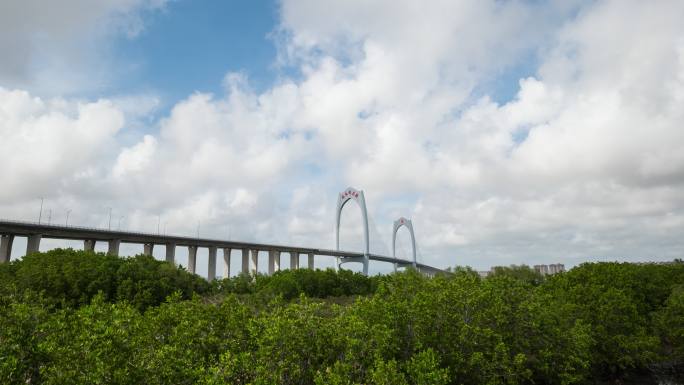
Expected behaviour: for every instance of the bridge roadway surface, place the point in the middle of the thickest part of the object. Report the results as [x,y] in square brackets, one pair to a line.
[19,228]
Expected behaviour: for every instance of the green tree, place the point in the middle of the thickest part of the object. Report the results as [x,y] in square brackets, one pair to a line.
[669,321]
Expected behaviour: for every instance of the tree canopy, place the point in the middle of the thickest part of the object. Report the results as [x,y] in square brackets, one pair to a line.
[77,317]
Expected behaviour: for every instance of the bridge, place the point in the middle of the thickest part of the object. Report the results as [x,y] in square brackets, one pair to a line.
[35,232]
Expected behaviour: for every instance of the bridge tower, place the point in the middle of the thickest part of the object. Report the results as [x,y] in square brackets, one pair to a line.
[409,225]
[356,195]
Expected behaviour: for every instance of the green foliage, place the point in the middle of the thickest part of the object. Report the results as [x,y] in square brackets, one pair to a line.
[144,281]
[97,343]
[617,300]
[522,273]
[387,373]
[424,369]
[22,321]
[70,278]
[669,321]
[147,323]
[292,283]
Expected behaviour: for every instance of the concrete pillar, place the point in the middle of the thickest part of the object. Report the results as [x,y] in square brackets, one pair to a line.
[254,262]
[148,248]
[6,241]
[311,261]
[171,252]
[294,260]
[226,262]
[33,243]
[273,261]
[113,248]
[276,260]
[245,261]
[211,274]
[89,245]
[192,258]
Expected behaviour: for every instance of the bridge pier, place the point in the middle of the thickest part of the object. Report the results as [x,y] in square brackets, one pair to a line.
[113,248]
[89,245]
[33,243]
[192,258]
[211,274]
[277,260]
[294,260]
[273,261]
[171,253]
[245,261]
[311,261]
[148,248]
[226,262]
[364,260]
[254,262]
[6,241]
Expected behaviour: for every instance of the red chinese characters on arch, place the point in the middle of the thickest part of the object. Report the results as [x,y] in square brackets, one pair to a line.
[350,194]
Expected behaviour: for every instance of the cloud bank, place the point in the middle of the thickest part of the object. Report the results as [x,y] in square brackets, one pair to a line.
[585,162]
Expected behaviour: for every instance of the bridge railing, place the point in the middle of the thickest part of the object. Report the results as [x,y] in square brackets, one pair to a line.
[57,226]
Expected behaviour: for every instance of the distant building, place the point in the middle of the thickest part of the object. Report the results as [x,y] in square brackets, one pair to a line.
[551,269]
[484,274]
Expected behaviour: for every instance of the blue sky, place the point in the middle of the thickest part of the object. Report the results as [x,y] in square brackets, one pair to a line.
[191,45]
[510,132]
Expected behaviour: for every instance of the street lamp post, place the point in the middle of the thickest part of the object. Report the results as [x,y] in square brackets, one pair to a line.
[109,225]
[66,223]
[40,215]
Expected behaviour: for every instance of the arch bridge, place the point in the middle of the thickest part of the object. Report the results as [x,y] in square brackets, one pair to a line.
[248,251]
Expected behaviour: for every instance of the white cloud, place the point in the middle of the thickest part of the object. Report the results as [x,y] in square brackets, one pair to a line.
[48,144]
[585,162]
[136,158]
[60,46]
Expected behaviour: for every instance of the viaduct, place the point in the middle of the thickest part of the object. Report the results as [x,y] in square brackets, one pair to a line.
[35,232]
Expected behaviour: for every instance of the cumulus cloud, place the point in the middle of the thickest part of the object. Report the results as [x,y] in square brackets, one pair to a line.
[47,144]
[59,46]
[585,162]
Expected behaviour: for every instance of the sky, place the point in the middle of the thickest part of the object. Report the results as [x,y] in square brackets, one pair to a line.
[510,132]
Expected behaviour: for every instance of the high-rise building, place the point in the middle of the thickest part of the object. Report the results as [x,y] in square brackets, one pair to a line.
[551,269]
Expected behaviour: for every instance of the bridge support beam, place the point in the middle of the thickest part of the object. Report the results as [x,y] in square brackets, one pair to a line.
[211,273]
[6,241]
[254,262]
[273,261]
[226,262]
[245,261]
[311,261]
[33,243]
[171,253]
[148,248]
[192,258]
[294,260]
[89,245]
[113,248]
